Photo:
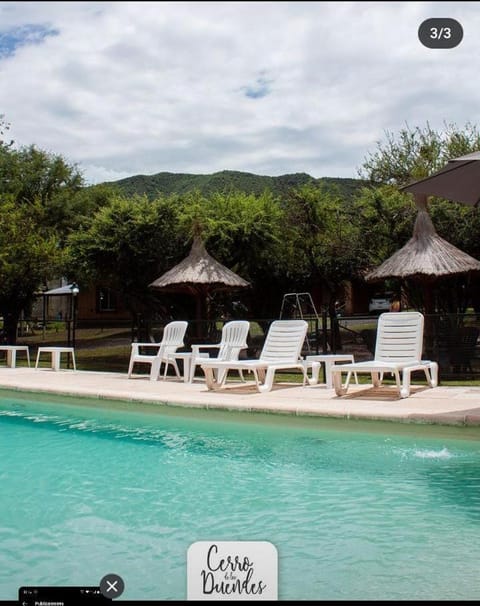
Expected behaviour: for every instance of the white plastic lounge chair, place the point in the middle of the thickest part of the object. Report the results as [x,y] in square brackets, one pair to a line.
[398,350]
[281,350]
[173,335]
[234,339]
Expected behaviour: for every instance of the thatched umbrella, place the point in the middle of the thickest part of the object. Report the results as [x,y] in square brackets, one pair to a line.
[199,274]
[425,257]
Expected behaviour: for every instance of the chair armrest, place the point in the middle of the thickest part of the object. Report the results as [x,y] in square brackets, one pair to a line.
[196,348]
[136,346]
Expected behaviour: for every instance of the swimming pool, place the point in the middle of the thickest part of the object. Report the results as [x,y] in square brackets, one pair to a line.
[356,510]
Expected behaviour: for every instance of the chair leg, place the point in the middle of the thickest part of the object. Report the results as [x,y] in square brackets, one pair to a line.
[155,369]
[337,382]
[210,379]
[193,366]
[433,374]
[315,374]
[221,374]
[305,376]
[175,366]
[268,382]
[167,362]
[347,382]
[404,387]
[376,380]
[130,366]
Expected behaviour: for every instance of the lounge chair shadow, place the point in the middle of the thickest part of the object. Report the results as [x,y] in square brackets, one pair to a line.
[382,393]
[250,387]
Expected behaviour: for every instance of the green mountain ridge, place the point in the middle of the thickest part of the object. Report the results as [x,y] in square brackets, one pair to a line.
[167,183]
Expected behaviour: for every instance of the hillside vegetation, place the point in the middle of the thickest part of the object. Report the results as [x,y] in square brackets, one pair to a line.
[228,180]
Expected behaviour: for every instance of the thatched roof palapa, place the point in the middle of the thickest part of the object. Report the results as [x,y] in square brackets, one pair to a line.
[199,274]
[198,271]
[426,254]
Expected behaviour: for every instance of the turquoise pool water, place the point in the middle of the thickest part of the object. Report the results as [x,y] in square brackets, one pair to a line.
[356,511]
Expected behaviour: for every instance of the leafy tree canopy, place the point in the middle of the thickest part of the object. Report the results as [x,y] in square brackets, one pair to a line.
[125,245]
[27,258]
[387,215]
[415,153]
[34,177]
[325,239]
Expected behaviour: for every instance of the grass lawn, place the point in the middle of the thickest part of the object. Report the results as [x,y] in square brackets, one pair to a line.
[108,350]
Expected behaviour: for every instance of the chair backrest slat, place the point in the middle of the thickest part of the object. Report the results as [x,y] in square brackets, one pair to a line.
[284,341]
[399,337]
[234,339]
[173,336]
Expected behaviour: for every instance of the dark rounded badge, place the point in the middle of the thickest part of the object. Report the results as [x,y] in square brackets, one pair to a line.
[440,33]
[112,586]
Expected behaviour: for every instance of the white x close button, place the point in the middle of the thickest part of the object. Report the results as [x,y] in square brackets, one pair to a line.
[112,586]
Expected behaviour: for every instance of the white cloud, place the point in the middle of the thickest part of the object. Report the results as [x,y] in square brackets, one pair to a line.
[267,87]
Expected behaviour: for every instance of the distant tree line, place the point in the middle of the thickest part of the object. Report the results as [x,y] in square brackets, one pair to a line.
[310,236]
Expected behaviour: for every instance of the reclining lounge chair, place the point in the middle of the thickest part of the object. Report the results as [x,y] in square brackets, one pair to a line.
[281,351]
[398,350]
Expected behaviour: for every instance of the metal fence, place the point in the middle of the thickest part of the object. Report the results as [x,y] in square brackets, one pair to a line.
[451,340]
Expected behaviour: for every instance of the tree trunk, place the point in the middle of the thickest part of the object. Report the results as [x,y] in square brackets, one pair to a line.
[143,327]
[429,322]
[335,338]
[10,324]
[201,314]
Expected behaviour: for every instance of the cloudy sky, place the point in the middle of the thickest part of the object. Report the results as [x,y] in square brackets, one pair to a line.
[125,88]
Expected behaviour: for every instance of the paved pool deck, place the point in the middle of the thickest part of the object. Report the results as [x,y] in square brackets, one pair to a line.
[441,405]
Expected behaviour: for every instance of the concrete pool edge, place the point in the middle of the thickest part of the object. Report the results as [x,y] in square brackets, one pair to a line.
[454,406]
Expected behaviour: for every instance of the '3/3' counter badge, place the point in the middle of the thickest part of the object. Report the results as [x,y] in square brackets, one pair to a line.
[440,33]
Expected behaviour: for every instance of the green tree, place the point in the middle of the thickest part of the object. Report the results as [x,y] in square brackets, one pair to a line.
[245,232]
[125,245]
[4,126]
[385,218]
[28,256]
[415,153]
[37,190]
[33,177]
[325,239]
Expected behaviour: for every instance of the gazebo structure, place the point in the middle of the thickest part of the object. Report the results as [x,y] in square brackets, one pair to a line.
[199,275]
[425,258]
[65,312]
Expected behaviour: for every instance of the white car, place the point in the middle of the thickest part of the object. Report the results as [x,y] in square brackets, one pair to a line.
[379,304]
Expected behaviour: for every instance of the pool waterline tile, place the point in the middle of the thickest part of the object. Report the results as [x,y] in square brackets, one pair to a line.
[441,405]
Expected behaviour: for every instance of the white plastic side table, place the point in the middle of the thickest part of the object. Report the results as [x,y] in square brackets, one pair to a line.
[329,360]
[12,351]
[56,353]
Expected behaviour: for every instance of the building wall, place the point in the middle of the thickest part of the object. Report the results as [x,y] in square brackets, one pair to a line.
[94,304]
[102,304]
